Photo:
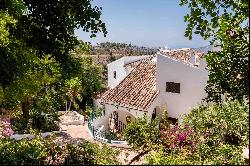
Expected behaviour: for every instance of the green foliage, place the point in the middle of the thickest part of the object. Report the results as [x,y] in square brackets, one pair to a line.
[91,80]
[88,153]
[225,154]
[110,135]
[22,152]
[142,134]
[49,99]
[23,76]
[164,123]
[98,112]
[52,32]
[226,123]
[39,121]
[32,81]
[1,95]
[160,158]
[42,73]
[83,48]
[41,151]
[225,24]
[220,133]
[45,122]
[73,88]
[5,20]
[222,155]
[110,48]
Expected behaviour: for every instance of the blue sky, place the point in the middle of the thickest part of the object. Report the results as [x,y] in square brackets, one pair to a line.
[151,23]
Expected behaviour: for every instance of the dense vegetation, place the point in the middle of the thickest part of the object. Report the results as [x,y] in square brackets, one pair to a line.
[40,74]
[209,135]
[226,25]
[43,71]
[40,151]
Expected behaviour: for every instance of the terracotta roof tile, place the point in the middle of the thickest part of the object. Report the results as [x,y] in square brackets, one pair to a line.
[184,55]
[137,90]
[135,63]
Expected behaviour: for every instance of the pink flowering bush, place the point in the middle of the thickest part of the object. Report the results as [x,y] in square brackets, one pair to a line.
[176,138]
[5,128]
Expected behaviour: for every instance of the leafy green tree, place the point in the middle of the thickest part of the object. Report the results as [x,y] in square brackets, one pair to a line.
[226,25]
[92,83]
[83,48]
[142,134]
[24,88]
[48,27]
[5,19]
[73,89]
[51,24]
[226,123]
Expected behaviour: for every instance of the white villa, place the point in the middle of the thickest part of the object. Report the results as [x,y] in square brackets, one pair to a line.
[145,85]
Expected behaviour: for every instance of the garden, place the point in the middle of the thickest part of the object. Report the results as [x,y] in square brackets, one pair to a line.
[44,71]
[209,135]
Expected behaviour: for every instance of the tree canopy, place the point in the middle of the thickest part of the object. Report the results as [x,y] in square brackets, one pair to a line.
[36,44]
[226,25]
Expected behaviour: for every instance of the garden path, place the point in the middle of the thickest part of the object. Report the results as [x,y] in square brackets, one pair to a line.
[81,132]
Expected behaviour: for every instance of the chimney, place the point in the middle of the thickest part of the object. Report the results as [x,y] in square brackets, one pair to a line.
[196,59]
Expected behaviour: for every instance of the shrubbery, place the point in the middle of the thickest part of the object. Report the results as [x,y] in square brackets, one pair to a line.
[37,121]
[209,135]
[46,151]
[142,134]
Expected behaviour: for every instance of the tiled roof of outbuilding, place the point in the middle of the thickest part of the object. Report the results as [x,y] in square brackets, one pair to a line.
[183,54]
[137,90]
[135,63]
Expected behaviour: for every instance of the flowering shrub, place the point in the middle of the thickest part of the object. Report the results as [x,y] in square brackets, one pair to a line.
[208,135]
[5,128]
[176,138]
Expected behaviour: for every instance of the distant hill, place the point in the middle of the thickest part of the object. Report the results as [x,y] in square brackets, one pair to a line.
[123,49]
[205,49]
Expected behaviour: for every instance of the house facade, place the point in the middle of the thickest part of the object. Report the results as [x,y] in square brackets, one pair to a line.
[174,80]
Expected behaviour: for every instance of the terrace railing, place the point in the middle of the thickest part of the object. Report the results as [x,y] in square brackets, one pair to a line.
[121,126]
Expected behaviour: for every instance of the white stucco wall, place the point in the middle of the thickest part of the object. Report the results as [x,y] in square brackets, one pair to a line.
[156,103]
[121,71]
[192,84]
[122,112]
[129,59]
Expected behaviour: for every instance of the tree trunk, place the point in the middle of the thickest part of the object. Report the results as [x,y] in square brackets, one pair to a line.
[25,108]
[70,102]
[137,157]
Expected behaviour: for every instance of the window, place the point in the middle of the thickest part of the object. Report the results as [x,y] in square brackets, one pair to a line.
[154,114]
[173,121]
[172,87]
[114,74]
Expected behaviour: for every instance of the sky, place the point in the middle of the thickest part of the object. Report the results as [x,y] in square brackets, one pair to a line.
[149,23]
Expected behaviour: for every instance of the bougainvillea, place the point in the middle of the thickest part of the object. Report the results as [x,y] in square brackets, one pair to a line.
[5,128]
[178,137]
